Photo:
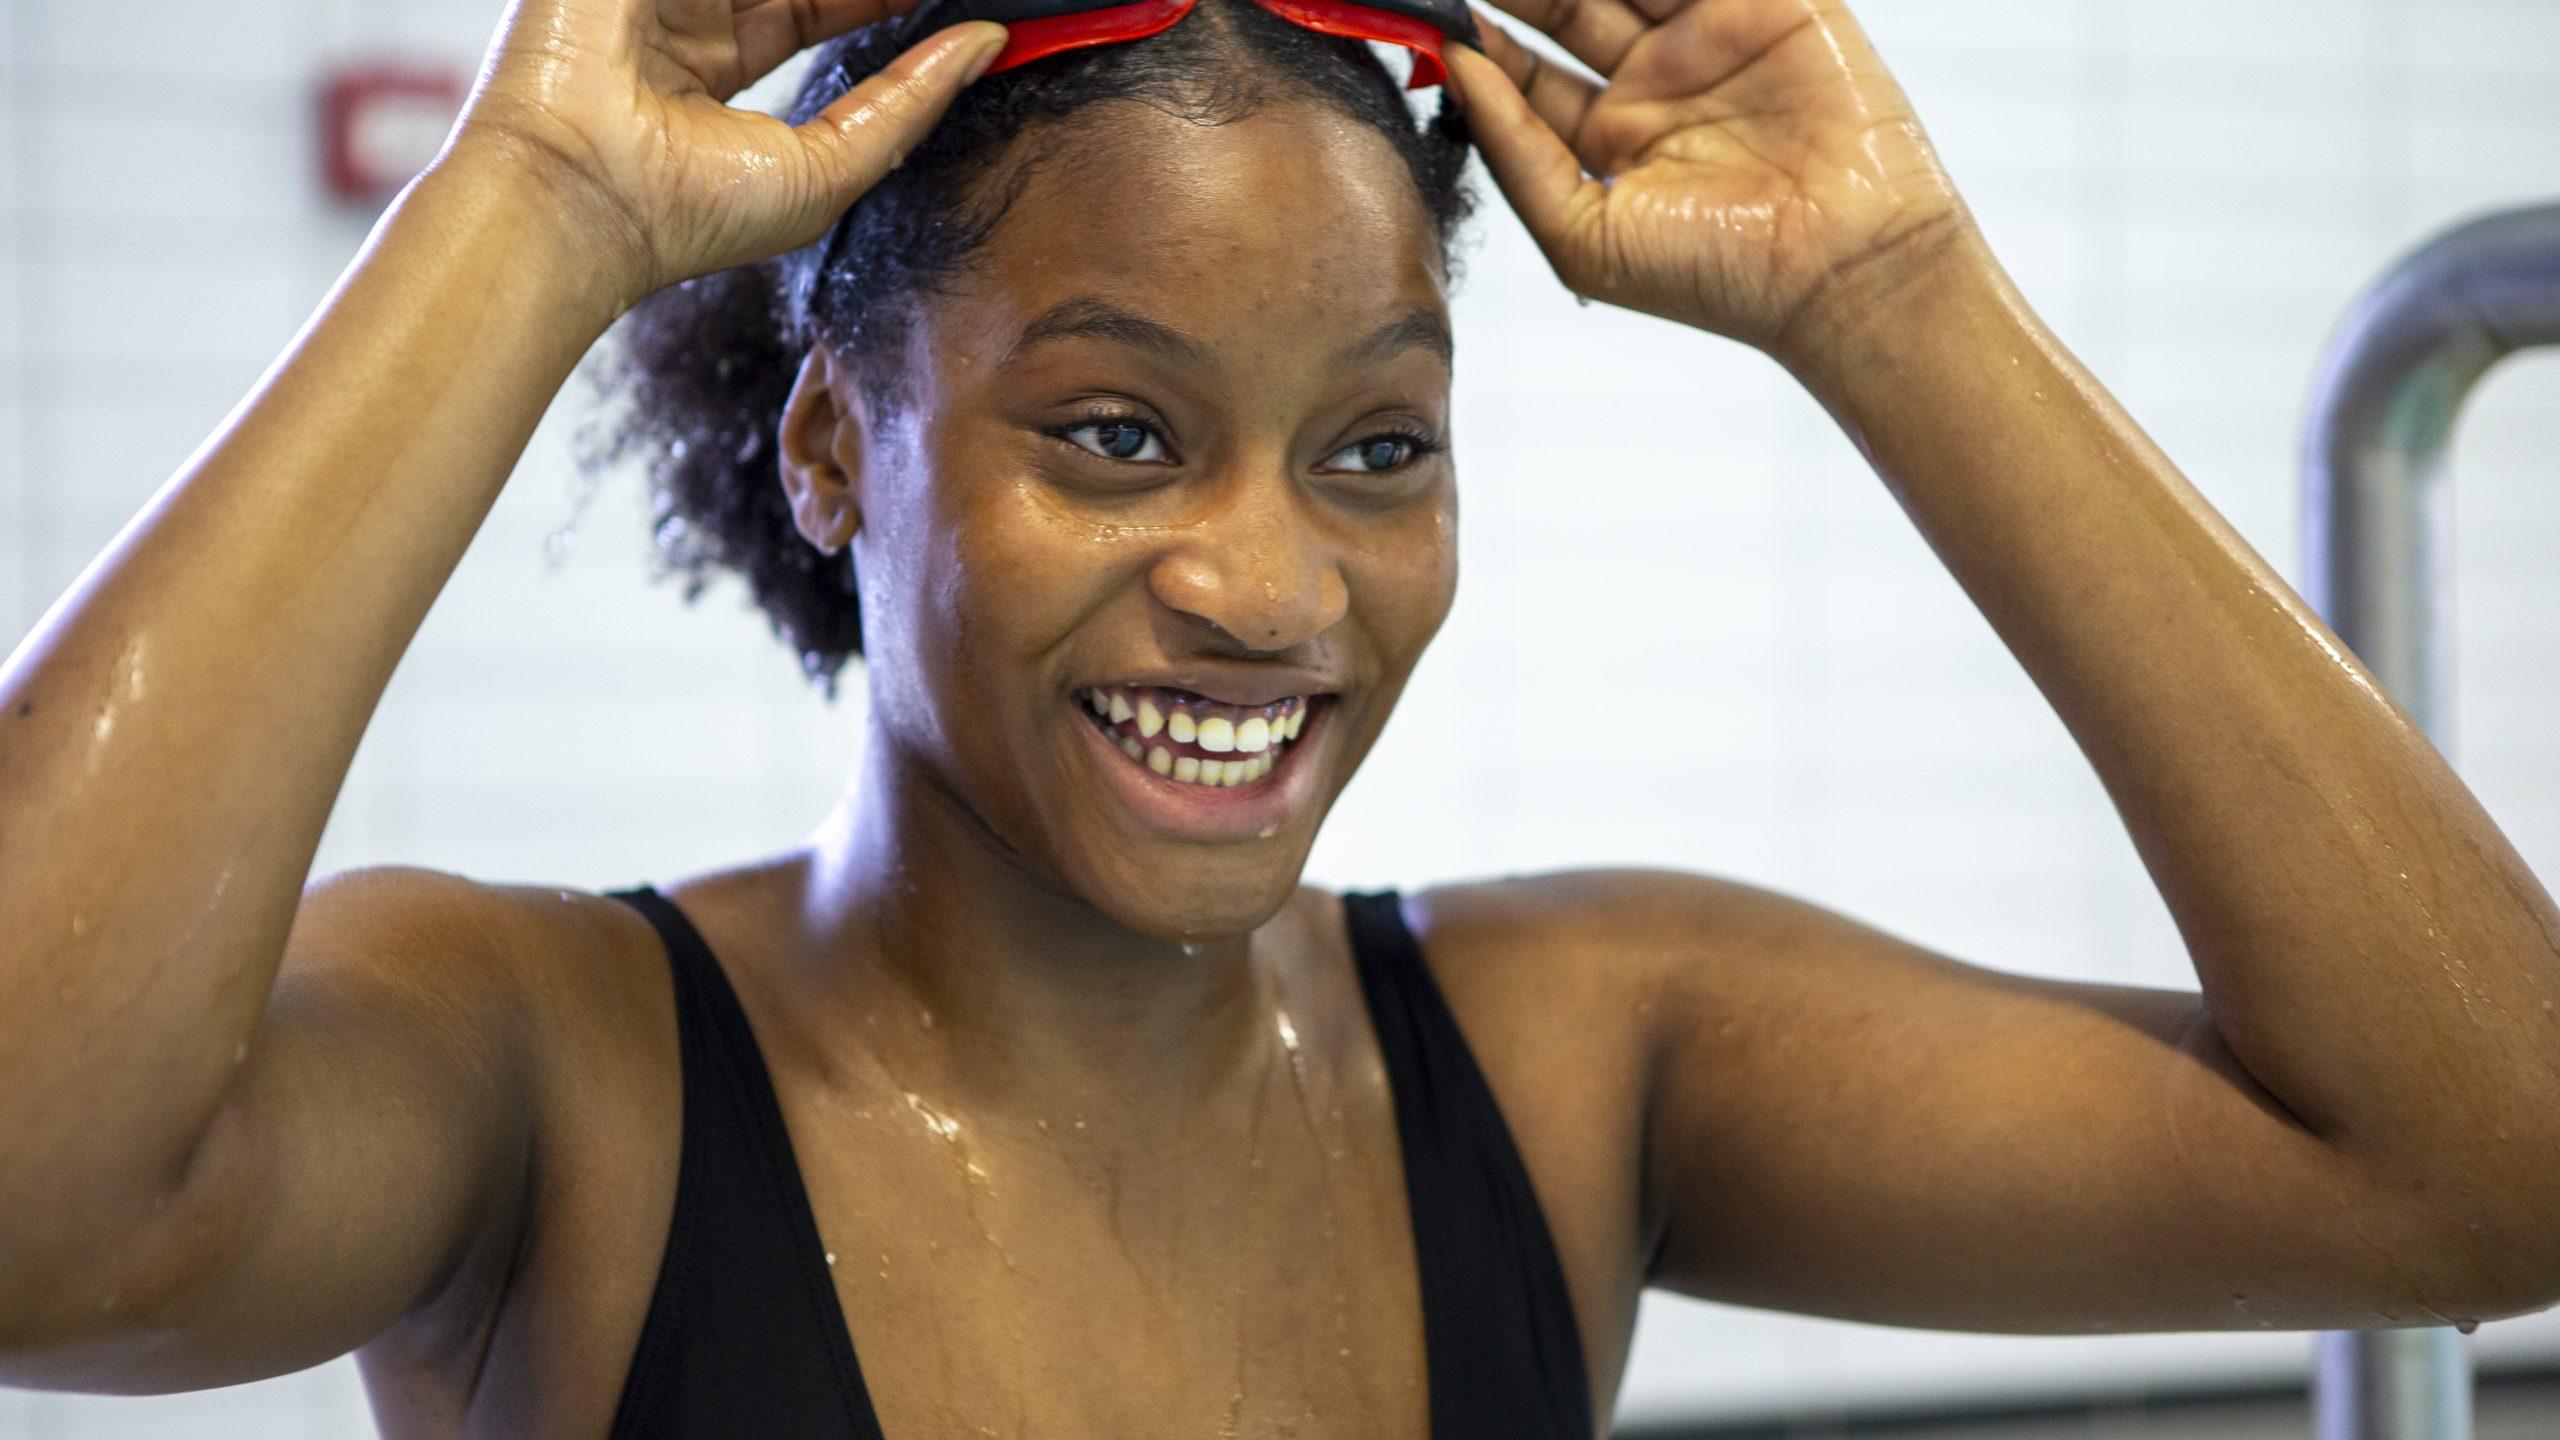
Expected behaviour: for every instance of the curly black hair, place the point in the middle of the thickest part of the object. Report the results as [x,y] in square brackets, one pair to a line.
[702,368]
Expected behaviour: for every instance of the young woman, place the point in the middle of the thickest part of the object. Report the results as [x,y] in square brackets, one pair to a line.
[1032,1093]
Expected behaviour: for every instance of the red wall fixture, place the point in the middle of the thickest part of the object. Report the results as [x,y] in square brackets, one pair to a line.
[381,121]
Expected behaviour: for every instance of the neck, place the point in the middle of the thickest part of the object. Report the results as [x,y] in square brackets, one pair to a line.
[1009,985]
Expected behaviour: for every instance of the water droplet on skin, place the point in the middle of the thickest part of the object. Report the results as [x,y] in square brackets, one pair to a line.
[2466,1326]
[831,1257]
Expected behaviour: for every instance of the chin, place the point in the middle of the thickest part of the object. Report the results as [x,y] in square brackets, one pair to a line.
[1211,902]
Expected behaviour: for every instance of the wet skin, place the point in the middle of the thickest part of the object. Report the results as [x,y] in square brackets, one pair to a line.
[1266,534]
[1088,1107]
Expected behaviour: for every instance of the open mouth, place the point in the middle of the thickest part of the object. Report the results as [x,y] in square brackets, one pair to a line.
[1193,740]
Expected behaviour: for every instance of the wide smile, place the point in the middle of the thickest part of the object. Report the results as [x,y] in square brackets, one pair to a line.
[1200,767]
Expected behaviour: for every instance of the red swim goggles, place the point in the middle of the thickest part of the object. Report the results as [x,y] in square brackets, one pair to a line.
[1045,27]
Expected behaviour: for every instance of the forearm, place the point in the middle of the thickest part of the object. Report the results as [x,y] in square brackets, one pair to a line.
[2369,944]
[176,729]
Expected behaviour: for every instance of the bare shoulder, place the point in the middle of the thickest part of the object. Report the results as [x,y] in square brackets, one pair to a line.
[525,997]
[1602,936]
[445,939]
[1573,966]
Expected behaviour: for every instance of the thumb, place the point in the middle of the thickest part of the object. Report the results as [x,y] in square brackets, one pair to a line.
[1536,170]
[870,128]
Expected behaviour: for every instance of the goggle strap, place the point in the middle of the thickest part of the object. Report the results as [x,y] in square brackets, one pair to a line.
[1367,22]
[1028,40]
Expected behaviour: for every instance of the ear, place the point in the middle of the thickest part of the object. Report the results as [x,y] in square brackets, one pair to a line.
[821,462]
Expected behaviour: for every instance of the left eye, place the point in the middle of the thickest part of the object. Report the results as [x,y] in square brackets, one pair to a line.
[1378,452]
[1118,440]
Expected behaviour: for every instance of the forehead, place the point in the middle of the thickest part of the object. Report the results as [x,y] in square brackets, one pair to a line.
[1292,222]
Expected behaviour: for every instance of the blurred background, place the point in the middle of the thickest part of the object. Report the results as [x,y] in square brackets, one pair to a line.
[2191,191]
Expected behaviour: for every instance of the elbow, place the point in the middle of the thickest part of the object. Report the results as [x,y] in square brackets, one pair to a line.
[2516,1271]
[2493,1267]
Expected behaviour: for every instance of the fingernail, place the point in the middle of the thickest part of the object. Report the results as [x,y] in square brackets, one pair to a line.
[987,55]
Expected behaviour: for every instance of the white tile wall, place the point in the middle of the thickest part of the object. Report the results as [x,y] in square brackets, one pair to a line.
[2189,189]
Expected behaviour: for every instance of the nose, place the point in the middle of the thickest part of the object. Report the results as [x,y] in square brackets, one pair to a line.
[1258,568]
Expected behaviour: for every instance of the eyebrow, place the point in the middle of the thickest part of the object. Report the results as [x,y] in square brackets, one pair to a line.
[1087,317]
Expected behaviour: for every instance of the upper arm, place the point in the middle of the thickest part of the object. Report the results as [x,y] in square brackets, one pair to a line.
[1843,1123]
[373,1148]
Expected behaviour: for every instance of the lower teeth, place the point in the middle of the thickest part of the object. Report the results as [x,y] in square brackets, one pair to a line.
[1188,770]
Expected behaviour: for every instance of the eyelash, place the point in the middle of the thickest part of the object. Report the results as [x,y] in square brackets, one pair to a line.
[1419,446]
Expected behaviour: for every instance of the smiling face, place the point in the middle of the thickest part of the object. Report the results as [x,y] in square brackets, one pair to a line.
[1172,479]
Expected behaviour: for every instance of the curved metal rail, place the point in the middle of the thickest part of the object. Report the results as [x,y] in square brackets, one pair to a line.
[2377,543]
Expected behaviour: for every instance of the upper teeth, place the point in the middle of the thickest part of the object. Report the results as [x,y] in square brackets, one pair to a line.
[1192,736]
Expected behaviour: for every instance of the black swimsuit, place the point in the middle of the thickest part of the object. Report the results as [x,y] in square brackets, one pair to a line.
[745,1339]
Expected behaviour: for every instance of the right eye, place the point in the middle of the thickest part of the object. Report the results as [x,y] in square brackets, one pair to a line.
[1117,439]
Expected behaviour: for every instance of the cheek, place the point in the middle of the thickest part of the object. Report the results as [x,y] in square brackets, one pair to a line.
[1024,568]
[1406,578]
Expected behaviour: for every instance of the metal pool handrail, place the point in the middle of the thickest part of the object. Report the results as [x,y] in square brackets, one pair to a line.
[2377,542]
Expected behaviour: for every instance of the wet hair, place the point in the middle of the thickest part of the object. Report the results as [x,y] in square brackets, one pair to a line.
[702,369]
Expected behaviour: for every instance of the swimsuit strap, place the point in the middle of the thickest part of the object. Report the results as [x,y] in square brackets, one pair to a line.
[1504,1351]
[745,1336]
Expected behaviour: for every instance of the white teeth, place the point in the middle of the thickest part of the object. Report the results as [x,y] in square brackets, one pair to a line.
[1254,743]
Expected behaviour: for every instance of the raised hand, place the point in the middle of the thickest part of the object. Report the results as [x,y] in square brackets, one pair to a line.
[1741,165]
[622,104]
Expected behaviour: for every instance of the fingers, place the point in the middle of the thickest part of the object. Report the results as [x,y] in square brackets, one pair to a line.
[1559,96]
[772,31]
[1596,32]
[1536,171]
[869,129]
